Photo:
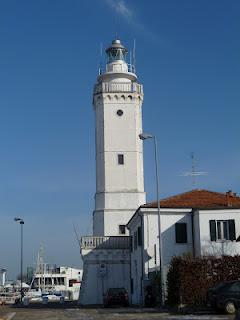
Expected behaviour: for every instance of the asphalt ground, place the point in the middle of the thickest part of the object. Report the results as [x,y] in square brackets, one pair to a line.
[76,313]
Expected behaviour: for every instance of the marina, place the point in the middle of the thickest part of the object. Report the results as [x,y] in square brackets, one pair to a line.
[49,284]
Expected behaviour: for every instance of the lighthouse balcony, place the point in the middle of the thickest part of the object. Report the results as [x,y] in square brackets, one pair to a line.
[121,87]
[112,242]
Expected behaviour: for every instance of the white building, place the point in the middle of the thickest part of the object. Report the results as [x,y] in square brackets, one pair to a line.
[66,280]
[3,276]
[117,100]
[199,222]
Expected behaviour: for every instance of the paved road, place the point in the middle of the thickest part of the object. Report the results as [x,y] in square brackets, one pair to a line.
[96,314]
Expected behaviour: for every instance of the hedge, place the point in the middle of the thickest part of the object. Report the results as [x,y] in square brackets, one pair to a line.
[189,279]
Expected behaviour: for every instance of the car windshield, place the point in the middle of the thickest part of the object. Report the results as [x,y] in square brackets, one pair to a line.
[220,285]
[115,291]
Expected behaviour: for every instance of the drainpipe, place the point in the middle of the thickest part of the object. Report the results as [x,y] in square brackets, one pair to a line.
[130,265]
[193,230]
[142,287]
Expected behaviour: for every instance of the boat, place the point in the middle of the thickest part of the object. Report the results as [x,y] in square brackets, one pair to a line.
[54,282]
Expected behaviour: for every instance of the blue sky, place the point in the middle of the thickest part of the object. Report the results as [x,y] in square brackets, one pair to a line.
[187,57]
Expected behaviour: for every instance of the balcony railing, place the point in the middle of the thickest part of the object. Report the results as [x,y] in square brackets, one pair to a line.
[121,242]
[112,87]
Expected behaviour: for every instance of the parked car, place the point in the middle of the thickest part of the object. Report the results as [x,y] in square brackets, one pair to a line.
[225,296]
[116,296]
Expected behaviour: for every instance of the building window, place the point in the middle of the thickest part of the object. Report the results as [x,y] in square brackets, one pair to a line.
[120,159]
[139,236]
[122,229]
[222,230]
[181,232]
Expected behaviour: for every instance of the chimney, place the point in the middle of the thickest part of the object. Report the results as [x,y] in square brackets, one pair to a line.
[230,193]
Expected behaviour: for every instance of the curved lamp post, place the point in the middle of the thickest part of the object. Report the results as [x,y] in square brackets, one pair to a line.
[144,136]
[21,225]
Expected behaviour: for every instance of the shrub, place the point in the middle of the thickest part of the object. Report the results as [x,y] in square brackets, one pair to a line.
[189,279]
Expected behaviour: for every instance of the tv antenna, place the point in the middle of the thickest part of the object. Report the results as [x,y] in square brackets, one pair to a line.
[194,173]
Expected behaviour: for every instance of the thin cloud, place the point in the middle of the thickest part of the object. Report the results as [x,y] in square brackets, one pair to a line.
[121,9]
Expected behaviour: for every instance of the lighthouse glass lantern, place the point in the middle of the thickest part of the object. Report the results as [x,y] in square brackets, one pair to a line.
[116,52]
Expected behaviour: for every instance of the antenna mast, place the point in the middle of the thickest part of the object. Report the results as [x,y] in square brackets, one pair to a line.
[134,55]
[193,173]
[101,55]
[193,170]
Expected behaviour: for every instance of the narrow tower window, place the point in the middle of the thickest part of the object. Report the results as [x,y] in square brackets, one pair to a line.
[120,159]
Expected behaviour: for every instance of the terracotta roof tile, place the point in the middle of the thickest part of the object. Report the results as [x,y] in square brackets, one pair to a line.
[199,199]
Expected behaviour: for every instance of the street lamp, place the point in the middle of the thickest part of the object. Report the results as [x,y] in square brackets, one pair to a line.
[21,225]
[144,136]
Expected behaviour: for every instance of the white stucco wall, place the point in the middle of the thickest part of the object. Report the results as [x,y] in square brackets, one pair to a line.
[143,258]
[136,265]
[168,221]
[208,247]
[117,275]
[98,222]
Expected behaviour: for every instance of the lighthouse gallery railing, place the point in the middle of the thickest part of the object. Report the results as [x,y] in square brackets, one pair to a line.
[108,87]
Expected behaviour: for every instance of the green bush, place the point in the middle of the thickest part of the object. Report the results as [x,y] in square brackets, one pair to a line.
[189,278]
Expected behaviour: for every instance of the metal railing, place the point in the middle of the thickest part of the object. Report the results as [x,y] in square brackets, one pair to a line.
[108,87]
[121,242]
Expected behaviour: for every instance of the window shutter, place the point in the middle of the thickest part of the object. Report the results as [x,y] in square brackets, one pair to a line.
[232,231]
[181,232]
[213,231]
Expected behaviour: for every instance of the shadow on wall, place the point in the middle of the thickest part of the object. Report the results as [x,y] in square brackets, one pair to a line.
[176,241]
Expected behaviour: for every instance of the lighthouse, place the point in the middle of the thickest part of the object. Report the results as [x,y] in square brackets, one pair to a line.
[117,101]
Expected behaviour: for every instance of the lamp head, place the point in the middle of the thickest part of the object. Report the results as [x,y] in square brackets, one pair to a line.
[144,136]
[19,219]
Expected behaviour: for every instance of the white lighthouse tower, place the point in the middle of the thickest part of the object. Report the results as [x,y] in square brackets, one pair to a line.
[117,101]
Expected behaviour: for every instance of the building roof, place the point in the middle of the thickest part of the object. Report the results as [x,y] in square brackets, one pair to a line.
[199,199]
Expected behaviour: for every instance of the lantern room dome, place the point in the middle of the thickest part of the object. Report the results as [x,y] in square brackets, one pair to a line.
[116,51]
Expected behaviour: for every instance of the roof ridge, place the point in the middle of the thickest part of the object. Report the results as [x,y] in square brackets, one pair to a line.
[194,190]
[187,192]
[200,197]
